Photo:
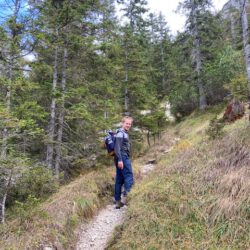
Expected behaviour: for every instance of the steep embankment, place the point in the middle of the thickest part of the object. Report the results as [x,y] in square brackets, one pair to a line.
[51,224]
[198,195]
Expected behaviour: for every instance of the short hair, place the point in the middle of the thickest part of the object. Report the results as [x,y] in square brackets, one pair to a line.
[127,118]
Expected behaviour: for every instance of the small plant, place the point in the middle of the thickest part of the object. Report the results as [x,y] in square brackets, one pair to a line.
[36,182]
[73,221]
[85,207]
[26,210]
[215,128]
[183,145]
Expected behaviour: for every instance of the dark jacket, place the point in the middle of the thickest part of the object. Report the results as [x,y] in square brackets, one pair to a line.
[122,144]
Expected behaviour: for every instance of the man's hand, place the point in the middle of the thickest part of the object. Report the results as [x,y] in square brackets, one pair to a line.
[120,164]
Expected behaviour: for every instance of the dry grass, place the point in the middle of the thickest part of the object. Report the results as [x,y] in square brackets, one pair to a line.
[53,222]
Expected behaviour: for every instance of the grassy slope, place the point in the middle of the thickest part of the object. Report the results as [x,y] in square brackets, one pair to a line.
[198,197]
[53,222]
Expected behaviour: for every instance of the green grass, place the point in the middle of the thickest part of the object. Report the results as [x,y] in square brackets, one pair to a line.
[198,196]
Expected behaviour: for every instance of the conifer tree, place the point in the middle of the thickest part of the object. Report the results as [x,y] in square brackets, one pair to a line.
[18,122]
[135,45]
[202,32]
[160,54]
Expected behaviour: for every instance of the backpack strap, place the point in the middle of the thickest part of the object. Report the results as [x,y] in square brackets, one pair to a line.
[119,130]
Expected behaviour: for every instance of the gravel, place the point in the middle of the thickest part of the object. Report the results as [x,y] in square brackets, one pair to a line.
[96,234]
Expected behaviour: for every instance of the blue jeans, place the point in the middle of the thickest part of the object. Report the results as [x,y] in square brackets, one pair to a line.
[123,176]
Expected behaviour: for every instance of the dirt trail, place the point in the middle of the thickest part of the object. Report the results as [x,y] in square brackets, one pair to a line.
[96,234]
[98,231]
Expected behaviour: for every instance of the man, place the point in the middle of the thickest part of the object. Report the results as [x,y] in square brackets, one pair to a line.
[124,173]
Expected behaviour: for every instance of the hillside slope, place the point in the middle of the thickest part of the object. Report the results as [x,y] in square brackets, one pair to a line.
[53,222]
[198,196]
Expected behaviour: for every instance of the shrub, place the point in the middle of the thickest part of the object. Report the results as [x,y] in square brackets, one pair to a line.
[215,128]
[36,181]
[25,209]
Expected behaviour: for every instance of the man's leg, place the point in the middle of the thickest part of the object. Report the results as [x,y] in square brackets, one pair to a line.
[119,181]
[127,174]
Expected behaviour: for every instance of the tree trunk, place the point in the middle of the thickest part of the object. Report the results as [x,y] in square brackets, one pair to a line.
[126,101]
[61,116]
[233,25]
[8,108]
[202,97]
[4,144]
[245,7]
[162,67]
[52,123]
[7,186]
[197,59]
[148,138]
[126,97]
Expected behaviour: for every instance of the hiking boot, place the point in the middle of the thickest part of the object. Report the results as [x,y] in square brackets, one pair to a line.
[119,204]
[124,200]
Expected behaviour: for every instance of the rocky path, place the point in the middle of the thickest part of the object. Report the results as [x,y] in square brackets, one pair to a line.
[96,234]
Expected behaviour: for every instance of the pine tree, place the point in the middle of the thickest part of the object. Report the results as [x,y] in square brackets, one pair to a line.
[160,55]
[183,93]
[202,32]
[18,122]
[135,45]
[80,59]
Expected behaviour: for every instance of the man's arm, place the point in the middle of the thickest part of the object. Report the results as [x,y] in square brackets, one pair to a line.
[118,145]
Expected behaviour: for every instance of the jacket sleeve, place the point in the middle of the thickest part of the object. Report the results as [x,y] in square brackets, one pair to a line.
[118,145]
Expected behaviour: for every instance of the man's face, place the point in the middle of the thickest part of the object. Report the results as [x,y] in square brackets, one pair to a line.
[127,124]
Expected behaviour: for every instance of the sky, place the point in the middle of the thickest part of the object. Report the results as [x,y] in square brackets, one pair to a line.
[176,21]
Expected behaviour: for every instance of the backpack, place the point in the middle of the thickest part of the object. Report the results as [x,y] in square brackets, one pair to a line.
[109,142]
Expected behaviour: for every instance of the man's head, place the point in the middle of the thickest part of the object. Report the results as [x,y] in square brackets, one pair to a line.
[127,122]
